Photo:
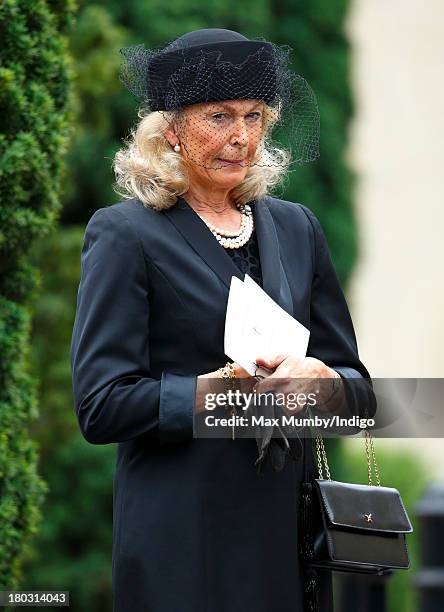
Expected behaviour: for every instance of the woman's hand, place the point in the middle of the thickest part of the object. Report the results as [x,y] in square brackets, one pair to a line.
[204,385]
[300,375]
[288,366]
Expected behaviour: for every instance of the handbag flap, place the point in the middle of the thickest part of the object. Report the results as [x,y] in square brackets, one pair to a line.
[373,508]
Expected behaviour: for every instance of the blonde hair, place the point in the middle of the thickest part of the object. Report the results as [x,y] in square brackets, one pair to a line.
[149,169]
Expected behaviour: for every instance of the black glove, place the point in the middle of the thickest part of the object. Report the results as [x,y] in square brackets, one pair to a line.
[272,443]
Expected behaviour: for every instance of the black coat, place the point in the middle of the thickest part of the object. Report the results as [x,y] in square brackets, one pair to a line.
[195,528]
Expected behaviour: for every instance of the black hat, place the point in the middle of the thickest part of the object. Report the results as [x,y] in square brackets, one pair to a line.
[212,65]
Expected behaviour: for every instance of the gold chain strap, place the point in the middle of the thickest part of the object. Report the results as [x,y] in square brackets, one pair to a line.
[320,448]
[370,450]
[370,453]
[369,442]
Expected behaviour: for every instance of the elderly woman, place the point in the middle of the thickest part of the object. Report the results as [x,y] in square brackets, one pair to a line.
[197,527]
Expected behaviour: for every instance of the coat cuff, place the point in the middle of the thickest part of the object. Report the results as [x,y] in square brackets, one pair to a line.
[361,400]
[176,407]
[347,372]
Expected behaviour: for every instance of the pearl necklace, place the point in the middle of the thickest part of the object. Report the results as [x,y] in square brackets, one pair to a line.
[234,240]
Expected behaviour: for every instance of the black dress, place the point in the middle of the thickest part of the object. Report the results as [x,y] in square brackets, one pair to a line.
[247,258]
[196,529]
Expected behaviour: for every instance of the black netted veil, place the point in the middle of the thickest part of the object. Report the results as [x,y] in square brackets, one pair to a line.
[216,66]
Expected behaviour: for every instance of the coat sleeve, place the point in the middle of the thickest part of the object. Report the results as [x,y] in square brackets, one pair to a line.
[332,336]
[115,398]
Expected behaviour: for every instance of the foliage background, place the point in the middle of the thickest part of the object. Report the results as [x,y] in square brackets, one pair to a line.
[34,131]
[72,550]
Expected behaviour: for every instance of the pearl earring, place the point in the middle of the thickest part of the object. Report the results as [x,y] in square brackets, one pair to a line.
[177,147]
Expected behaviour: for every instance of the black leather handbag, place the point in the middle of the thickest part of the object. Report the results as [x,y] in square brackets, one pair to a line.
[352,527]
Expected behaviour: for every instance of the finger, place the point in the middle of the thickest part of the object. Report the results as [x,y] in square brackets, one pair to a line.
[270,361]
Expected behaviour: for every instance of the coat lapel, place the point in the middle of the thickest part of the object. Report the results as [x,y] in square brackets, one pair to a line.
[200,238]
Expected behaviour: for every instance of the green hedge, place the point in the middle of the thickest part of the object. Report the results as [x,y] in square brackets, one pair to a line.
[34,87]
